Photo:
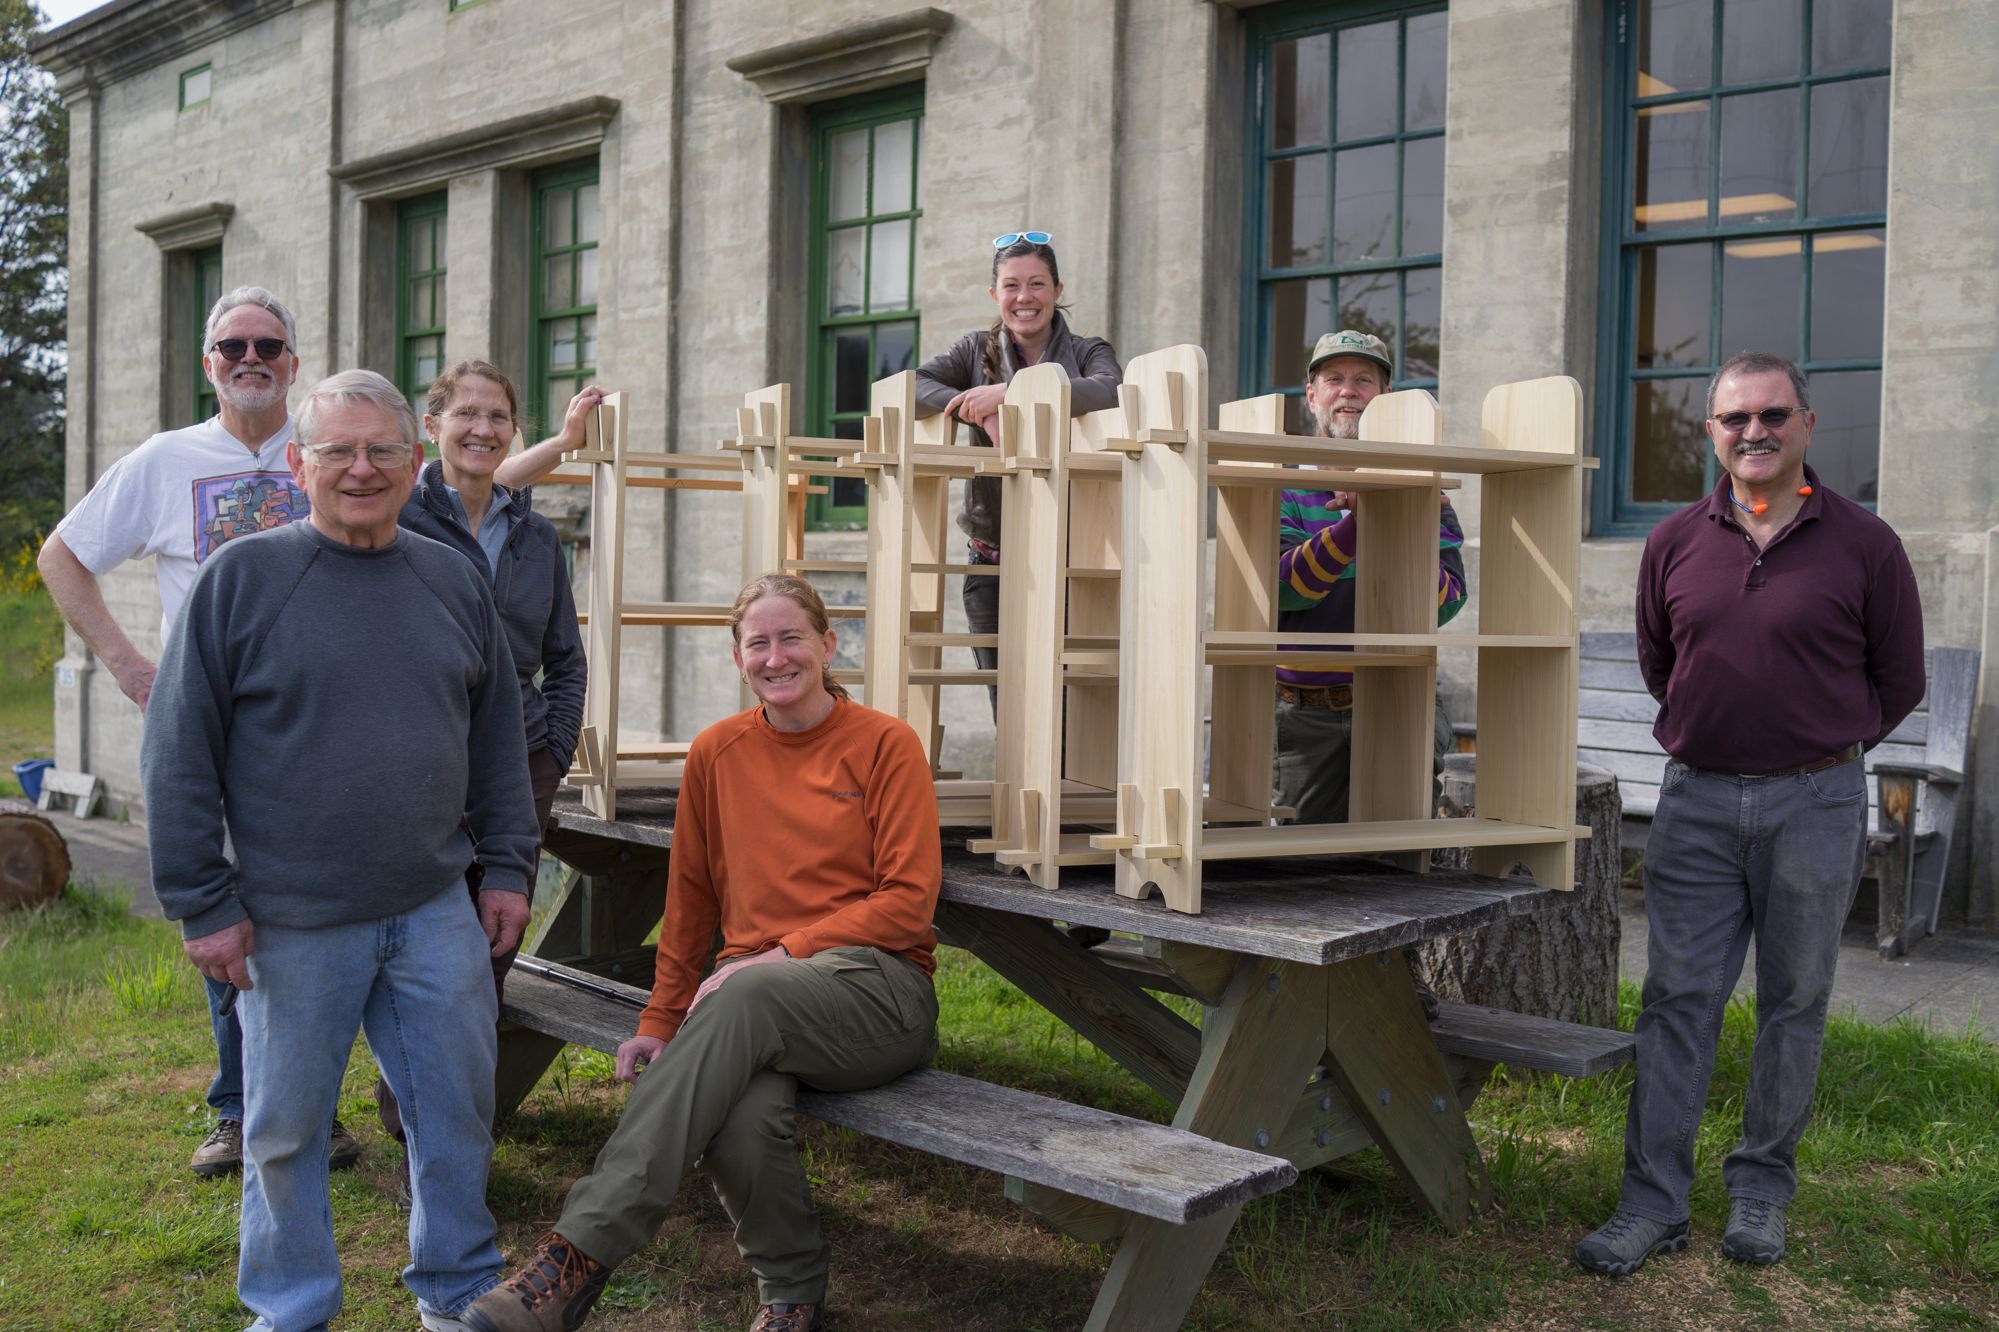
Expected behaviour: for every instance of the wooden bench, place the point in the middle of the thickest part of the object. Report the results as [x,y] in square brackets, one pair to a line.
[1918,772]
[1138,1167]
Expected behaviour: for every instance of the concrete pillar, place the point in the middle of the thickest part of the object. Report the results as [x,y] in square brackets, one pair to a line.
[1940,381]
[77,673]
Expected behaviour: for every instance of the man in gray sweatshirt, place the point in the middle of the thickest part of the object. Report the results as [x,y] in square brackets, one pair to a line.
[341,692]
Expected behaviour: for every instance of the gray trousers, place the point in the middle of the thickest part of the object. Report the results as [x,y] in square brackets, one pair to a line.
[1312,770]
[1730,857]
[723,1092]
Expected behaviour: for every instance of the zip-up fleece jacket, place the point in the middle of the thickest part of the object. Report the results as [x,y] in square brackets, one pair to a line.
[1094,376]
[536,606]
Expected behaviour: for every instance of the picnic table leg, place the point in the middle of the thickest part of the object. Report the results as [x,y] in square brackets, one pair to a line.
[1385,1060]
[1258,1049]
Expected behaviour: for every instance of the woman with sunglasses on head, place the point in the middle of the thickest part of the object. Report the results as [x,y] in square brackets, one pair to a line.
[969,381]
[472,414]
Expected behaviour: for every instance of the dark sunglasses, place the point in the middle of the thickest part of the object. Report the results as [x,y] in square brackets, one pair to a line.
[268,349]
[1773,418]
[1031,237]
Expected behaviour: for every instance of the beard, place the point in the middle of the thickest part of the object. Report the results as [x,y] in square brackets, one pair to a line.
[251,395]
[1330,426]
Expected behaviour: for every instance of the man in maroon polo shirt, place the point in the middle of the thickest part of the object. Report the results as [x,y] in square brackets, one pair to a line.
[1780,629]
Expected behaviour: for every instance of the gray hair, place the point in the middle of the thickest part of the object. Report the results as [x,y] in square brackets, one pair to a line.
[355,388]
[248,296]
[1759,363]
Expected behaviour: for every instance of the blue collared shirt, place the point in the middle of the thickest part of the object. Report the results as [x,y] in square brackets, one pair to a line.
[494,528]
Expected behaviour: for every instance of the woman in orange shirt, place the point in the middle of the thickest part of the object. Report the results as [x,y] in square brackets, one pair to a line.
[806,832]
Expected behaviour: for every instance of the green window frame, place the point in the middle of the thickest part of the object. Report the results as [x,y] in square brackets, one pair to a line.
[207,268]
[197,85]
[420,293]
[567,229]
[1747,154]
[1345,188]
[862,287]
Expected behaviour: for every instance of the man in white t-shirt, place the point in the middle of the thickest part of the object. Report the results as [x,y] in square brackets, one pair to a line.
[177,497]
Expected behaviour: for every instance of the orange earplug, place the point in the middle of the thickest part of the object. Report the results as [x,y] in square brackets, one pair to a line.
[1758,507]
[1804,490]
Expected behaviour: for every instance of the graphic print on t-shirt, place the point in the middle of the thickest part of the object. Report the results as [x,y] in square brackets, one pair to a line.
[242,503]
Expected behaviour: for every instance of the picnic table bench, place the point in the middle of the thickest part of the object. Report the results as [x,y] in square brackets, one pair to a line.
[1313,1044]
[1918,773]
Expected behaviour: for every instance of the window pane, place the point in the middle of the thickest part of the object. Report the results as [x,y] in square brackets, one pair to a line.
[1672,293]
[587,341]
[1300,78]
[556,218]
[1847,283]
[1759,157]
[418,243]
[1298,211]
[1669,449]
[437,300]
[895,166]
[888,266]
[420,303]
[437,247]
[1846,442]
[845,260]
[895,349]
[426,358]
[847,195]
[195,86]
[586,214]
[1422,304]
[847,492]
[1849,166]
[1423,71]
[1367,101]
[1761,40]
[586,278]
[1670,170]
[1367,303]
[1675,46]
[1423,196]
[1364,203]
[558,281]
[1851,34]
[1299,312]
[1761,288]
[561,335]
[850,370]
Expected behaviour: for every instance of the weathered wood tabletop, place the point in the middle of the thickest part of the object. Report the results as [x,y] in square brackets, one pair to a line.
[1313,1046]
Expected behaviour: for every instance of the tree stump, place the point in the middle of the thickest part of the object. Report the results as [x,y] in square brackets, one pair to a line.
[1560,963]
[34,858]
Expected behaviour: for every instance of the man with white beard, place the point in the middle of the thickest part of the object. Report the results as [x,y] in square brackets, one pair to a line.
[178,497]
[1315,589]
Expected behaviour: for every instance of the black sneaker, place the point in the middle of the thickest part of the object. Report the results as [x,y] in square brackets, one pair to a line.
[1755,1231]
[342,1151]
[1621,1245]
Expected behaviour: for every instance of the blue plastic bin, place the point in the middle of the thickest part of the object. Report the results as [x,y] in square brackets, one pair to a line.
[29,775]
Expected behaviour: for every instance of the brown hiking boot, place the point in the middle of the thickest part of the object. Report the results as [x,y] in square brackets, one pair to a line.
[552,1293]
[221,1152]
[787,1318]
[342,1151]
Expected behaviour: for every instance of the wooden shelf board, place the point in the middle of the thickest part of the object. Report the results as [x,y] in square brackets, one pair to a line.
[1320,479]
[1228,638]
[1367,839]
[1250,446]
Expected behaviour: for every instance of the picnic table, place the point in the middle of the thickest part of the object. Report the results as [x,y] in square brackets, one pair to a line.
[1313,1045]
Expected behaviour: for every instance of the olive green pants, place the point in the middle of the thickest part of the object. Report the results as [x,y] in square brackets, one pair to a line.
[1310,771]
[723,1093]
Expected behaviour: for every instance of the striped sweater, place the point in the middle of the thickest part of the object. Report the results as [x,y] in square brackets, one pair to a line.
[1315,573]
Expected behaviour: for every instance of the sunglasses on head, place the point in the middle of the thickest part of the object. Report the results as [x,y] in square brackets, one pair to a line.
[268,349]
[1014,237]
[1773,418]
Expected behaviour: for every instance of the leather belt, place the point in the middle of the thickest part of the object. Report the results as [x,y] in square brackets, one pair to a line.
[1847,755]
[1334,698]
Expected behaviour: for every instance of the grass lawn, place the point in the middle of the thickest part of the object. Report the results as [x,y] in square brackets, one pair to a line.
[104,1056]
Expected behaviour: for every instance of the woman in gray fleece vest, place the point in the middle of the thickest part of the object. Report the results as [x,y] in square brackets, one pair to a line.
[969,382]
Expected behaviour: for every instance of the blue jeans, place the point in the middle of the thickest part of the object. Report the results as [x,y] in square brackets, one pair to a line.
[1728,857]
[421,987]
[225,1093]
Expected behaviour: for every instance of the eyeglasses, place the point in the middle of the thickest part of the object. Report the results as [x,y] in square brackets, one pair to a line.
[465,416]
[1031,237]
[1773,418]
[268,349]
[386,456]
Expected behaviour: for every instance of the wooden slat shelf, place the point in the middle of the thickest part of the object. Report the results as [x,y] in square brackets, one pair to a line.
[1253,446]
[1320,479]
[1371,839]
[686,462]
[826,566]
[1293,639]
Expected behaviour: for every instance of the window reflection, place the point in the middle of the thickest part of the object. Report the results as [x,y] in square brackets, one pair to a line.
[1675,46]
[1300,86]
[1670,167]
[1849,159]
[1672,297]
[1847,285]
[1846,442]
[1669,449]
[1761,40]
[1761,287]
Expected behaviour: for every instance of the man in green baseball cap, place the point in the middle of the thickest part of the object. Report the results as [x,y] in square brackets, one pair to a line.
[1316,588]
